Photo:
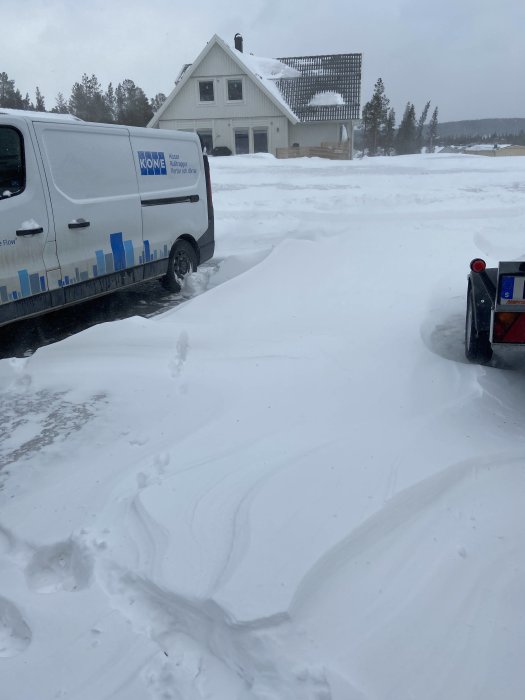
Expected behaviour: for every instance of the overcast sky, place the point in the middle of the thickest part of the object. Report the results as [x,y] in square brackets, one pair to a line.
[466,56]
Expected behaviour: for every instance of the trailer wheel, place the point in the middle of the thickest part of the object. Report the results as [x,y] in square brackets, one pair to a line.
[182,262]
[477,345]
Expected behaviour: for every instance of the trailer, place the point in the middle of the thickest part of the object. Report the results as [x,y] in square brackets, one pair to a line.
[495,315]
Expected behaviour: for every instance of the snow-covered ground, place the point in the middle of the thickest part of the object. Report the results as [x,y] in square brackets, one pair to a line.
[293,486]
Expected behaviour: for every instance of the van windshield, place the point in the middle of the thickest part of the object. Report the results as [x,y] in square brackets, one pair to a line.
[12,172]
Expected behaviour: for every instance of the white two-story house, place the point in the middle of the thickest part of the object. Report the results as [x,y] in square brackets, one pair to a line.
[242,103]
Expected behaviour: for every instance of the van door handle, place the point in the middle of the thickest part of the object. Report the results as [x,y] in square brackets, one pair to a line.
[29,231]
[79,223]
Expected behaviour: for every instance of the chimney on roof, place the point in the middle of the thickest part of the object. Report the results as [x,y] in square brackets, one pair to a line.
[238,41]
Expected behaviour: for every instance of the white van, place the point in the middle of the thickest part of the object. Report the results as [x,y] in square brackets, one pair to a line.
[86,209]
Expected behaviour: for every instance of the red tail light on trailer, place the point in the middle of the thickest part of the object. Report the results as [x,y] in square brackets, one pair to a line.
[478,265]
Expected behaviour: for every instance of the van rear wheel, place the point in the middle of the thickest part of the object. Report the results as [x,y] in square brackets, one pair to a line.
[182,262]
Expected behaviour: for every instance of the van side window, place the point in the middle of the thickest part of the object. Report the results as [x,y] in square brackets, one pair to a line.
[12,171]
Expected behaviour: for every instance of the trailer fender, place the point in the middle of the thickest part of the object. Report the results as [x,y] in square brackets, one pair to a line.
[481,301]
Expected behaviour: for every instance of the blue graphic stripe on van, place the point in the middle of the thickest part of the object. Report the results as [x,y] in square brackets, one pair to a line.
[101,262]
[122,255]
[117,247]
[130,255]
[25,287]
[29,284]
[34,282]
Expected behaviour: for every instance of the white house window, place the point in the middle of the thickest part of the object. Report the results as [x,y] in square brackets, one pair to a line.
[206,93]
[234,90]
[260,140]
[242,141]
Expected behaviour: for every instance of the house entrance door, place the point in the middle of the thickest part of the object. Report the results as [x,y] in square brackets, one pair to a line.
[260,140]
[242,141]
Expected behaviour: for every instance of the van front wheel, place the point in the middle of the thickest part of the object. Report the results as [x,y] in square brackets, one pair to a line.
[182,262]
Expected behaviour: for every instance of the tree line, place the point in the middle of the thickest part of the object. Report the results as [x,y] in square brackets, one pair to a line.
[494,138]
[380,135]
[125,104]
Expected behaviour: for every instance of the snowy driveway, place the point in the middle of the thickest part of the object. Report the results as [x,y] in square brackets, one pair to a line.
[292,486]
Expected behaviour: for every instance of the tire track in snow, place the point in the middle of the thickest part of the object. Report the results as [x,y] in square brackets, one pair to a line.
[239,530]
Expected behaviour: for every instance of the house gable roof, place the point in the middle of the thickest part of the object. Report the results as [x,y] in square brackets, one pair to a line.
[304,88]
[265,85]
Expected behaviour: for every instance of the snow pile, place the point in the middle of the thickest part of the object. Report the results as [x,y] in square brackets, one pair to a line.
[326,98]
[292,486]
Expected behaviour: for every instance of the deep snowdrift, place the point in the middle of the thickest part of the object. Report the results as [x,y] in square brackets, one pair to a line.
[292,486]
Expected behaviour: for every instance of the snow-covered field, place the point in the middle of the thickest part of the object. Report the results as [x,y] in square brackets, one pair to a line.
[293,486]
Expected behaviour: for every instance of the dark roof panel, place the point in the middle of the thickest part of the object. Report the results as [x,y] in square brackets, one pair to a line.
[337,76]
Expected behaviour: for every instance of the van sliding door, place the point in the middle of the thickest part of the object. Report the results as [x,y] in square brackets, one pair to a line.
[96,206]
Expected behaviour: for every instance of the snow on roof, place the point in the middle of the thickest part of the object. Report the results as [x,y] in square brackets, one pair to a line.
[326,98]
[268,70]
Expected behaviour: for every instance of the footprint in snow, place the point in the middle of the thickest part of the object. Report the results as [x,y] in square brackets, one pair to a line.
[15,633]
[65,566]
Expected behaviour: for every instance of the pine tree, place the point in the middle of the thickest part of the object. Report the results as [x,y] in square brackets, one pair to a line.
[432,131]
[132,105]
[39,103]
[421,125]
[157,102]
[10,97]
[406,139]
[61,106]
[111,102]
[374,117]
[389,133]
[88,102]
[27,104]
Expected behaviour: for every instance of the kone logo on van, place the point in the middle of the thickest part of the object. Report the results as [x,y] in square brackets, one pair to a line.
[152,163]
